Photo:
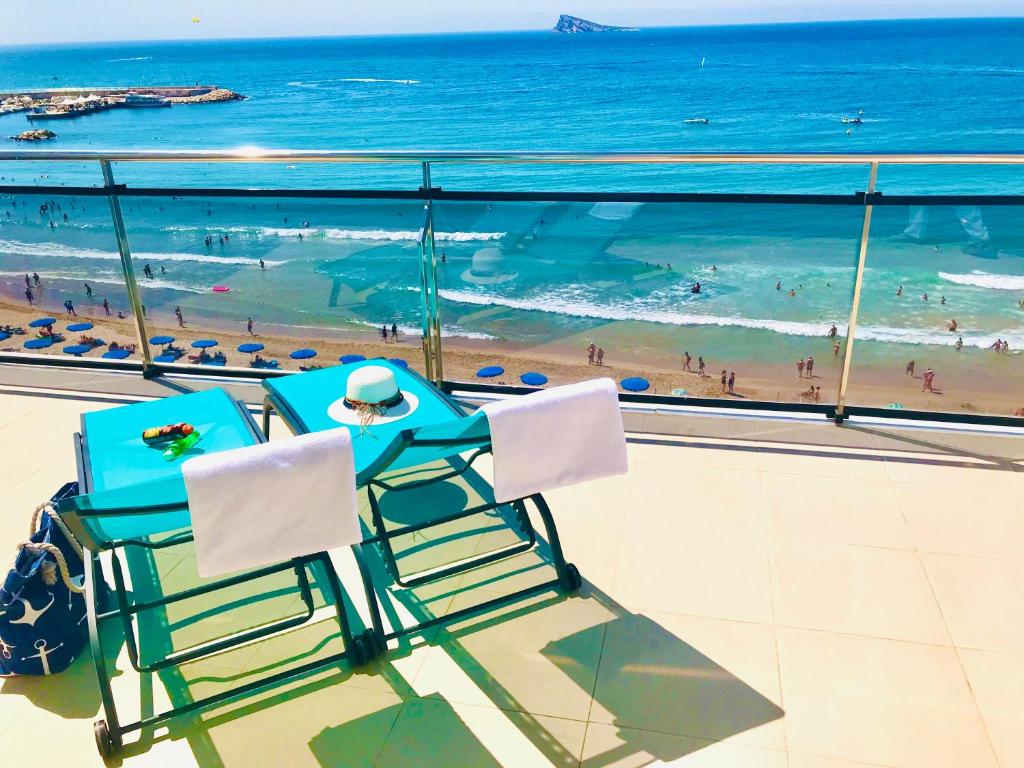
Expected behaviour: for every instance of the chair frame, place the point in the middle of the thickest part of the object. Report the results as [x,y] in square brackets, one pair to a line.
[567,576]
[109,731]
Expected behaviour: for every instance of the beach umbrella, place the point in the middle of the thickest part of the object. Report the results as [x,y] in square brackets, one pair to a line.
[533,379]
[303,354]
[162,340]
[398,361]
[77,349]
[76,327]
[42,322]
[351,359]
[165,359]
[490,371]
[4,336]
[635,384]
[250,348]
[38,343]
[204,343]
[116,354]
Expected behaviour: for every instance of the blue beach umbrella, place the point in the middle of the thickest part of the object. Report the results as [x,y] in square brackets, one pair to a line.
[4,335]
[116,354]
[398,361]
[76,327]
[635,384]
[303,354]
[38,343]
[42,322]
[162,340]
[490,371]
[204,343]
[351,359]
[77,349]
[165,359]
[533,379]
[250,348]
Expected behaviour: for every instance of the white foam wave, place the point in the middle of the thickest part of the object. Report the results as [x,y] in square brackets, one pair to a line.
[130,58]
[377,80]
[381,234]
[92,279]
[986,280]
[56,250]
[580,308]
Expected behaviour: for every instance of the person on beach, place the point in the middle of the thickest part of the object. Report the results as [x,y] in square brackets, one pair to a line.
[778,285]
[35,279]
[28,281]
[951,325]
[106,307]
[924,297]
[70,307]
[835,349]
[1006,346]
[394,332]
[833,331]
[686,362]
[817,394]
[695,288]
[600,356]
[248,326]
[88,291]
[148,271]
[792,292]
[942,300]
[928,376]
[998,346]
[444,259]
[262,265]
[724,376]
[800,368]
[591,351]
[910,368]
[899,291]
[181,318]
[163,270]
[732,382]
[959,343]
[28,295]
[810,367]
[384,332]
[700,366]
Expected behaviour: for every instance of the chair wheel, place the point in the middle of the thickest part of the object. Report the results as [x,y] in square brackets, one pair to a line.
[575,580]
[104,742]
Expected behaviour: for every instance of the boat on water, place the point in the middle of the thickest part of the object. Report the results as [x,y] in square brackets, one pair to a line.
[145,100]
[852,120]
[696,121]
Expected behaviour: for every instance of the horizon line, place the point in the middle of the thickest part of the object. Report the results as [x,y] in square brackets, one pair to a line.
[510,31]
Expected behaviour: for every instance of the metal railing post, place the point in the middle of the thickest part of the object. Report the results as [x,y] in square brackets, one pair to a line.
[432,308]
[858,282]
[126,265]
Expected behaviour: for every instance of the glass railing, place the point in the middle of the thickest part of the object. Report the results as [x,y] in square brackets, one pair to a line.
[775,299]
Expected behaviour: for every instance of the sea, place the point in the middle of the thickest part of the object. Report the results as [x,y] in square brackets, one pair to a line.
[771,275]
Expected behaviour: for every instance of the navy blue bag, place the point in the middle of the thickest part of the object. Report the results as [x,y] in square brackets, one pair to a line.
[43,626]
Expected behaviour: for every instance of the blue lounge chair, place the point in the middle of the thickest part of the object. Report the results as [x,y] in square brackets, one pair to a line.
[404,466]
[132,502]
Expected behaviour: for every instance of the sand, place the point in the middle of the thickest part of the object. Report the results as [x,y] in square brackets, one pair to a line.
[563,361]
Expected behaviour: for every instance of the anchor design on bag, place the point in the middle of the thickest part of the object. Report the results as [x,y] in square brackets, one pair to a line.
[31,614]
[40,645]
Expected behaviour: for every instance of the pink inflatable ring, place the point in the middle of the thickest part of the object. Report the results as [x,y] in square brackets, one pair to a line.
[220,289]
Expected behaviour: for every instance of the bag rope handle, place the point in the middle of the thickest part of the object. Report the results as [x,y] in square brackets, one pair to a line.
[52,549]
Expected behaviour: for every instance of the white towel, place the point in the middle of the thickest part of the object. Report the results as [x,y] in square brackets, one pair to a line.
[267,503]
[560,436]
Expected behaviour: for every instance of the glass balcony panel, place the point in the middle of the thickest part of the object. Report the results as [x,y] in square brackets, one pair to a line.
[942,285]
[316,274]
[59,259]
[528,287]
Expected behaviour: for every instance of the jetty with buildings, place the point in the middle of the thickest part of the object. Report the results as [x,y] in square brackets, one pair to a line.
[65,103]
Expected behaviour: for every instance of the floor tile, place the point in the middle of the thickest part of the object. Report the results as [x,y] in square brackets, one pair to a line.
[997,680]
[608,746]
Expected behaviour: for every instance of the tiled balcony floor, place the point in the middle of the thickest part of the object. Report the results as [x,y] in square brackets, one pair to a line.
[745,604]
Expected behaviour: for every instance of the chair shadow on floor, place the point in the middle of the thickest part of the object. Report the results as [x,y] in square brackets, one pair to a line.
[661,696]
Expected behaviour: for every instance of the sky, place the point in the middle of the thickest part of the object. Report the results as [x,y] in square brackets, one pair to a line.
[44,21]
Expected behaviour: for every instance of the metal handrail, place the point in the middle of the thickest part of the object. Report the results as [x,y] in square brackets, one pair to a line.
[261,155]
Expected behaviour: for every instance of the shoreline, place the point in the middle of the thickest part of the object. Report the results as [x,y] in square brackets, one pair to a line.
[563,361]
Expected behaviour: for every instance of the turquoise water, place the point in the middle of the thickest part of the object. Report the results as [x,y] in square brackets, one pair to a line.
[538,272]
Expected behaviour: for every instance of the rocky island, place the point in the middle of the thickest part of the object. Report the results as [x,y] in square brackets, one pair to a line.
[38,134]
[571,25]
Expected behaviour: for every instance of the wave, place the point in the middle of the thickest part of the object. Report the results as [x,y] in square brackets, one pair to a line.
[986,280]
[108,280]
[57,251]
[377,80]
[561,305]
[130,58]
[381,234]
